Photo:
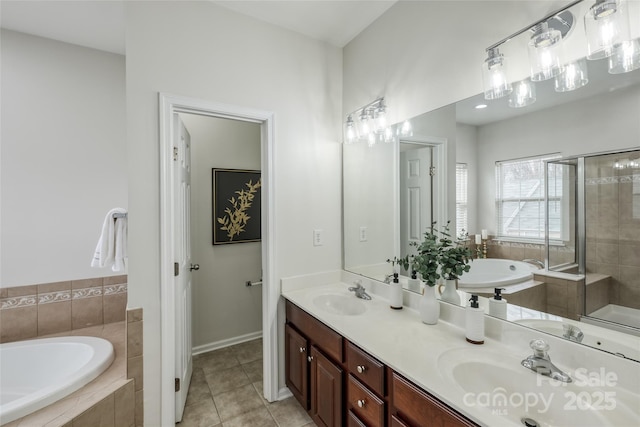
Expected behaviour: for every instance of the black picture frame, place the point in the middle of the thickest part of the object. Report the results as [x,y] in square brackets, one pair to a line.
[236,196]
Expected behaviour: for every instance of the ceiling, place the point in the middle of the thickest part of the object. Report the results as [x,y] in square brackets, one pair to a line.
[99,24]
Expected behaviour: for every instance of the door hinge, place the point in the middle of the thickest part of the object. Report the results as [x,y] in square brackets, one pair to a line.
[432,171]
[176,269]
[175,153]
[177,385]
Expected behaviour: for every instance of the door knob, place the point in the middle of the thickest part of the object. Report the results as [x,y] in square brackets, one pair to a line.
[194,267]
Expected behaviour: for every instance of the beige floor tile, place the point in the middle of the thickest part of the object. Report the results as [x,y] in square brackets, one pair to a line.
[215,360]
[248,351]
[260,390]
[201,414]
[259,417]
[238,401]
[253,370]
[198,389]
[224,380]
[288,413]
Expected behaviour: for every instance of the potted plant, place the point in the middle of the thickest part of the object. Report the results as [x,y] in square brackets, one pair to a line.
[454,262]
[438,255]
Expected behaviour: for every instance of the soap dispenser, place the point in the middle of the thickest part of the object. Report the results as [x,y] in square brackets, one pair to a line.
[413,284]
[395,293]
[474,322]
[498,305]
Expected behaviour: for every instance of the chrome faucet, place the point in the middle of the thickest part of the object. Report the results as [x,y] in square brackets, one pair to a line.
[540,362]
[572,333]
[388,278]
[534,262]
[359,290]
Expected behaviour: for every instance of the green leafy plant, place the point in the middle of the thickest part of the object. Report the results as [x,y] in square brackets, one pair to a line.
[438,249]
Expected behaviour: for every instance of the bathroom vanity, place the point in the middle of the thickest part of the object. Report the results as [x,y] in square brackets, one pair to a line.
[352,362]
[320,364]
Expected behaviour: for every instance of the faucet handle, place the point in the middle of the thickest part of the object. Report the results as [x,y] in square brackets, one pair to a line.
[539,347]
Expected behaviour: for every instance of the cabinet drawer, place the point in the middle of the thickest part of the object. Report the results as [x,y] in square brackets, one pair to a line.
[396,422]
[417,408]
[317,332]
[365,368]
[353,421]
[366,405]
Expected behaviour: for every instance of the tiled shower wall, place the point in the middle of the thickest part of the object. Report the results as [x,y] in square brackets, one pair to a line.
[613,226]
[48,308]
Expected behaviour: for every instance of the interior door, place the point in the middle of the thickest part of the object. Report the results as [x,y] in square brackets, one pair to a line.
[415,194]
[182,268]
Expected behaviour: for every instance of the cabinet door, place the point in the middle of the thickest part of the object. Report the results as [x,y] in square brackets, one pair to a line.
[297,367]
[326,391]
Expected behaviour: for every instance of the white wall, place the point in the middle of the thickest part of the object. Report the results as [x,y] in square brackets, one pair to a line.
[200,50]
[224,308]
[597,124]
[63,157]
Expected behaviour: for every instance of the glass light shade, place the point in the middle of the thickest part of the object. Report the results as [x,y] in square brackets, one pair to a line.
[350,132]
[545,53]
[625,58]
[365,125]
[524,93]
[573,77]
[381,117]
[606,26]
[388,134]
[494,76]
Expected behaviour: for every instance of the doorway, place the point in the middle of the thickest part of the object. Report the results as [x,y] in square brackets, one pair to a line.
[170,107]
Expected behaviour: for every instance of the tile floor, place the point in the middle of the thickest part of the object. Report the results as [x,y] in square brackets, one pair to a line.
[226,391]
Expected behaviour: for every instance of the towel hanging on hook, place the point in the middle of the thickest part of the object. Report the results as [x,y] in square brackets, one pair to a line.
[111,250]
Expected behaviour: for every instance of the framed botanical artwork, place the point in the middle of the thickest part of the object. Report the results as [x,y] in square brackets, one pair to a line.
[236,205]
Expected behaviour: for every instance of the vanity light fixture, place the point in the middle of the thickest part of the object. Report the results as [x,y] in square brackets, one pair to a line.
[370,124]
[494,75]
[574,76]
[545,52]
[350,132]
[524,93]
[625,58]
[406,129]
[606,26]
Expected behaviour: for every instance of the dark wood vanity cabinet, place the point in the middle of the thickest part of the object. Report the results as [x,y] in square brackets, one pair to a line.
[413,407]
[314,367]
[340,384]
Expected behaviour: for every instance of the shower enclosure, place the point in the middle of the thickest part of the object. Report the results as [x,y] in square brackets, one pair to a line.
[593,228]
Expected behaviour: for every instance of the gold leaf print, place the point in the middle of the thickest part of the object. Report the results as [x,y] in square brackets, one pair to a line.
[236,217]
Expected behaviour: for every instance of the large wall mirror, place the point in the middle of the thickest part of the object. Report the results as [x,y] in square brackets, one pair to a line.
[587,142]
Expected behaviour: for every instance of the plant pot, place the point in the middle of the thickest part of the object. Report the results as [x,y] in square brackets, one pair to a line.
[429,306]
[450,294]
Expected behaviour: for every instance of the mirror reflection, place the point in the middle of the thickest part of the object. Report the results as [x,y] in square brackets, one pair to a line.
[550,191]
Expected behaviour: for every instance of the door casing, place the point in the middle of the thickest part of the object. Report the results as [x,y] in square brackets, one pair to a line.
[168,106]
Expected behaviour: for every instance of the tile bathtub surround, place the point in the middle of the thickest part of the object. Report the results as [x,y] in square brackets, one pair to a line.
[49,308]
[135,360]
[226,391]
[106,401]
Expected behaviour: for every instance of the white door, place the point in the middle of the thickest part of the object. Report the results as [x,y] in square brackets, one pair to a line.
[182,270]
[415,194]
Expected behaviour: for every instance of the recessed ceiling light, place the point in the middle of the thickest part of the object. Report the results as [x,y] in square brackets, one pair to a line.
[481,106]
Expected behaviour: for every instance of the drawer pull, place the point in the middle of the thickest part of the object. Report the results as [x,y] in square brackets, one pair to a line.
[302,349]
[361,369]
[309,358]
[361,403]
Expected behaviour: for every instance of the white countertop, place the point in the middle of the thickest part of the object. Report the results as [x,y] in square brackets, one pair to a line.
[421,352]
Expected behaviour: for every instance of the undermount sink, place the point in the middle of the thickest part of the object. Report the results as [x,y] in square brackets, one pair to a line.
[347,305]
[497,383]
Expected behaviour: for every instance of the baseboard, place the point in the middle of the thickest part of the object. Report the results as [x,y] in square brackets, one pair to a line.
[225,343]
[284,393]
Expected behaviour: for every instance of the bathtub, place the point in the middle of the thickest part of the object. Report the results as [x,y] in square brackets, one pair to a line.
[36,373]
[493,272]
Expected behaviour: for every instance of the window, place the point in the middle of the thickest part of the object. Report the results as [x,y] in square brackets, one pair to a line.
[520,200]
[462,223]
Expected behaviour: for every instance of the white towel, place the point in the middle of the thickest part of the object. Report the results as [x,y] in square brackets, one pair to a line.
[111,250]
